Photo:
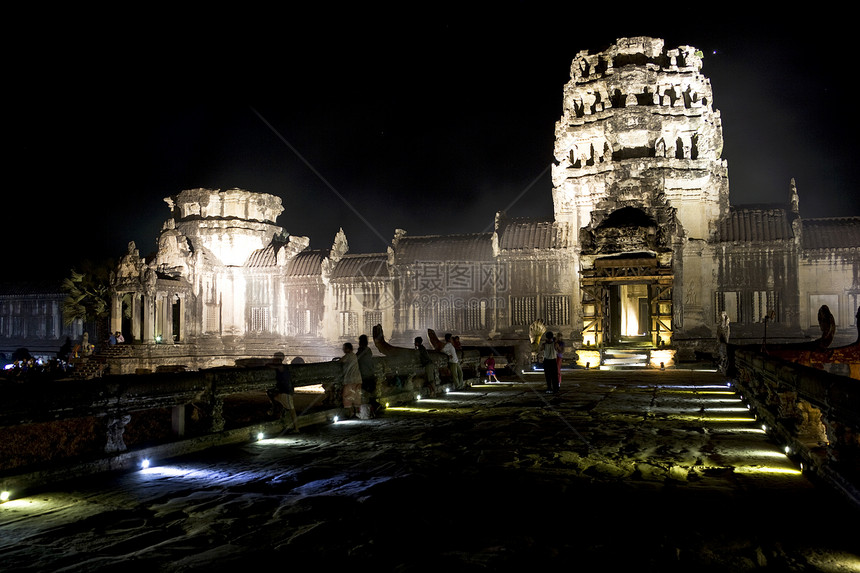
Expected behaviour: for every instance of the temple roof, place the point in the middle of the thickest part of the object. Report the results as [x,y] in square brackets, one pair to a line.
[32,288]
[831,233]
[307,263]
[752,223]
[373,265]
[467,247]
[265,257]
[530,234]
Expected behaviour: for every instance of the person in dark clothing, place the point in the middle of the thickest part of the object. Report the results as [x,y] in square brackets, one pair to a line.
[282,394]
[550,366]
[368,377]
[427,363]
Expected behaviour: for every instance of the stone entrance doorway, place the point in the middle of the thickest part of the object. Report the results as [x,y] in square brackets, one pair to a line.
[627,301]
[629,314]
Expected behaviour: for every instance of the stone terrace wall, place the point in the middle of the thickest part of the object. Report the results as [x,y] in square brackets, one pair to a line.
[73,428]
[815,414]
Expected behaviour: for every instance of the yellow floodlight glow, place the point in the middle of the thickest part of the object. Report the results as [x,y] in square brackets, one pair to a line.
[312,389]
[767,470]
[662,358]
[260,435]
[743,430]
[725,409]
[412,409]
[4,496]
[765,454]
[588,357]
[711,419]
[37,505]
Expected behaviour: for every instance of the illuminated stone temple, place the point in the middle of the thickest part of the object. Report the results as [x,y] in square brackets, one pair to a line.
[644,249]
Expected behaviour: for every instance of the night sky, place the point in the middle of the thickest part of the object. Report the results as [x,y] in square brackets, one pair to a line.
[377,121]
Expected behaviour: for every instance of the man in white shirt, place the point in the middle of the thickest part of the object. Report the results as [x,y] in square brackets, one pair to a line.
[453,363]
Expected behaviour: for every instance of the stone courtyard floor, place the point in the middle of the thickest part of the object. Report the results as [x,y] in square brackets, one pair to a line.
[633,471]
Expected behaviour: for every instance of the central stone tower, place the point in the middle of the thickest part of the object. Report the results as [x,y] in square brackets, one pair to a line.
[639,180]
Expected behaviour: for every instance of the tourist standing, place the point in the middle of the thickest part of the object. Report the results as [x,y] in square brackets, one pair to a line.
[550,364]
[453,362]
[490,364]
[282,394]
[368,378]
[351,380]
[426,363]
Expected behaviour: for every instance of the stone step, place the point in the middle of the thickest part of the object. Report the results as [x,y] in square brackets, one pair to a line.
[625,358]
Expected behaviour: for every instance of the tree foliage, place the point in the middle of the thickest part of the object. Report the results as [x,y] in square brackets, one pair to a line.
[88,293]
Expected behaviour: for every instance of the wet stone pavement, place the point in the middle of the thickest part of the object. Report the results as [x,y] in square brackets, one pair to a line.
[633,471]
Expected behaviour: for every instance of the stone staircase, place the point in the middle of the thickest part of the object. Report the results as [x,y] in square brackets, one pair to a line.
[625,357]
[89,367]
[95,366]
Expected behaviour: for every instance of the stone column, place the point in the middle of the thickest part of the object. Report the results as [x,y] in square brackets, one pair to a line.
[116,312]
[148,319]
[180,300]
[135,317]
[167,319]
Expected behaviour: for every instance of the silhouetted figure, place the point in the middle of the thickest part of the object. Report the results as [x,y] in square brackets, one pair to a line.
[550,364]
[351,380]
[282,395]
[368,378]
[453,362]
[427,363]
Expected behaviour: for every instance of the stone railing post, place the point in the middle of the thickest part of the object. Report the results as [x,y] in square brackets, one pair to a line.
[115,428]
[810,428]
[177,420]
[213,404]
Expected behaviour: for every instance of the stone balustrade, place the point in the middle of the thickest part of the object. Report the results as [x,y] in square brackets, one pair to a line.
[813,413]
[70,428]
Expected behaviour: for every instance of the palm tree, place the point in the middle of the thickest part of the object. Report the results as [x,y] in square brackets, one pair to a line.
[88,298]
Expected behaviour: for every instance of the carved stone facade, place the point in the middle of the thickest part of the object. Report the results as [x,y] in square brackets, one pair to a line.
[638,173]
[644,248]
[31,317]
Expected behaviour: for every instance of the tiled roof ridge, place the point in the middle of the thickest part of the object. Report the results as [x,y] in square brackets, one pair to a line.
[547,219]
[41,286]
[761,223]
[805,220]
[826,233]
[453,235]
